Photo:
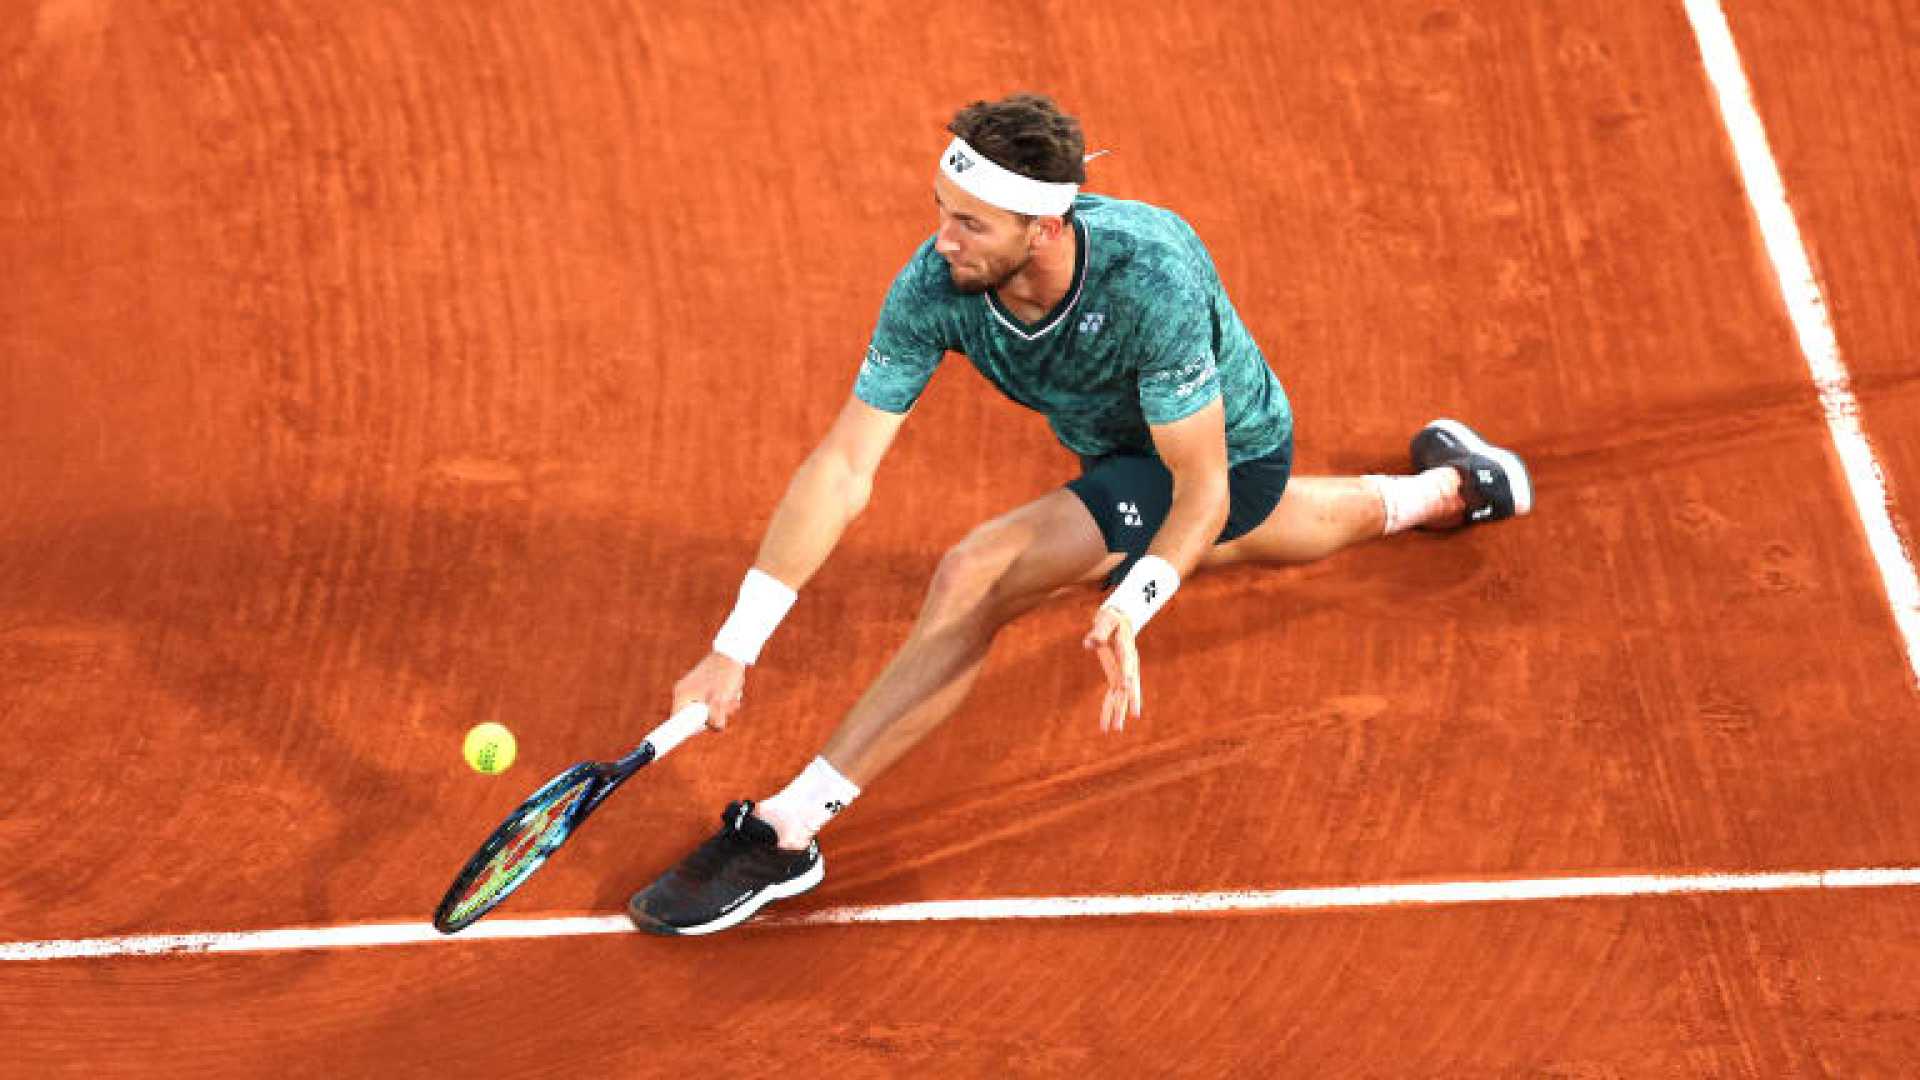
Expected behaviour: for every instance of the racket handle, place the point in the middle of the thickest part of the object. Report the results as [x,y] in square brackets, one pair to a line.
[691,720]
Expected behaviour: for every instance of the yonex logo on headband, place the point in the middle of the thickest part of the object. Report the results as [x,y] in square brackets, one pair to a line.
[979,176]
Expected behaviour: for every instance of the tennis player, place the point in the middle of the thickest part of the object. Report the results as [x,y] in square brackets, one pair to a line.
[1108,317]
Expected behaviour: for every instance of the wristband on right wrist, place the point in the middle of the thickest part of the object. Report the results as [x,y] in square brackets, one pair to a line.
[764,601]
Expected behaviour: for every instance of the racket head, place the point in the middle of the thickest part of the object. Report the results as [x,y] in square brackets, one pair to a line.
[520,846]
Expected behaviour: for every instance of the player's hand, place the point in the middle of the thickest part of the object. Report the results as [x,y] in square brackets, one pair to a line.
[1111,639]
[720,681]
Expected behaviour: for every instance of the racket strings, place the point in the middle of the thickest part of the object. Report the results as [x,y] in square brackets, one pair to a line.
[521,854]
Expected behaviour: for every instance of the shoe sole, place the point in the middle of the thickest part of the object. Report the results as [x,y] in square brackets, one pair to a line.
[778,891]
[1510,462]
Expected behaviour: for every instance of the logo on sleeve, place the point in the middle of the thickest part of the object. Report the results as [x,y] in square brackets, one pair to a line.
[1129,514]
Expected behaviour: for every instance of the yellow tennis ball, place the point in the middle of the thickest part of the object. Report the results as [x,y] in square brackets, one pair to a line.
[490,748]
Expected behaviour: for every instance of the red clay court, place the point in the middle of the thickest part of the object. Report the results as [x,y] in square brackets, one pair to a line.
[370,370]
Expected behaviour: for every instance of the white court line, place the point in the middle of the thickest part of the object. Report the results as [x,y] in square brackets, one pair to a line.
[1423,894]
[1808,309]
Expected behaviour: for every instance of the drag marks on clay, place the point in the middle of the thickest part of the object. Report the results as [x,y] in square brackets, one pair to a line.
[988,816]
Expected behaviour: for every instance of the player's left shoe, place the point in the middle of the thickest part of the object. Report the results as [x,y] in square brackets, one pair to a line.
[1494,482]
[738,871]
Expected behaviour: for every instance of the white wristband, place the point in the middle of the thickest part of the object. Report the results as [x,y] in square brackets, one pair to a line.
[1145,590]
[764,601]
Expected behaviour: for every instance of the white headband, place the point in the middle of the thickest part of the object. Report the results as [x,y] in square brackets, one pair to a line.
[1004,188]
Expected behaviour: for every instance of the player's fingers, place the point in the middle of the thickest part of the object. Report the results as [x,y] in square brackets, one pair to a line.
[1105,622]
[718,713]
[1132,668]
[1113,666]
[1114,703]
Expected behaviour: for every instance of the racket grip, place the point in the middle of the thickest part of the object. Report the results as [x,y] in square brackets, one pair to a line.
[691,720]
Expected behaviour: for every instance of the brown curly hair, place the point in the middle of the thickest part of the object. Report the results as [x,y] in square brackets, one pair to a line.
[1028,134]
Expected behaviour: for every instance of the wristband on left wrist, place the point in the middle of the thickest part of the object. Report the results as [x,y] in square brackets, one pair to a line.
[1144,591]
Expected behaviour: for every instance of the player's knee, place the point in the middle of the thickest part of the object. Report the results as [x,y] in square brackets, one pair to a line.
[969,577]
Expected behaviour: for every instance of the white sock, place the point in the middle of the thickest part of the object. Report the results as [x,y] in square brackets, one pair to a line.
[1410,501]
[814,797]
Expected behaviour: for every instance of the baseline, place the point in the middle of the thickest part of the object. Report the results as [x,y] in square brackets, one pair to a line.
[1417,894]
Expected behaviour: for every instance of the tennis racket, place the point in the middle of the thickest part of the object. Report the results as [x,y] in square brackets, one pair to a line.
[536,830]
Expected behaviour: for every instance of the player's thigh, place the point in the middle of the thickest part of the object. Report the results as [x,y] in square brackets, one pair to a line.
[1314,517]
[1025,555]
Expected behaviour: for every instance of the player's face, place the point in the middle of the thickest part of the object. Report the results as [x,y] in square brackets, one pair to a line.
[984,245]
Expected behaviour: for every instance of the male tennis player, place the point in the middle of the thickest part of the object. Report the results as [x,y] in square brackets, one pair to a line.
[1108,317]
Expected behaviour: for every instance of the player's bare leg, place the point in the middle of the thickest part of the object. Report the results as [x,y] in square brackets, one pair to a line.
[1460,479]
[1000,571]
[1320,515]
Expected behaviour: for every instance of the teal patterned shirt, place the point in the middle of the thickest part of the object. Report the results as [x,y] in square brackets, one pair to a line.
[1145,335]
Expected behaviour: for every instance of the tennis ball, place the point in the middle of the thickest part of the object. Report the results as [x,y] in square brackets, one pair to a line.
[490,748]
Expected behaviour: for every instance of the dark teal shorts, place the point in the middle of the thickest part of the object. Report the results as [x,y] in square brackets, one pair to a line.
[1129,496]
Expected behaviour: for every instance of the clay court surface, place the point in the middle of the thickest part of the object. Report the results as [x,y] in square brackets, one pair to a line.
[371,370]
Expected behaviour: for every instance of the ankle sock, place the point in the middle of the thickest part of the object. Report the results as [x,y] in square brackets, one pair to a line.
[1411,501]
[814,797]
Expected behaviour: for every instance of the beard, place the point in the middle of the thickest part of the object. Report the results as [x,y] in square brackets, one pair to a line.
[995,273]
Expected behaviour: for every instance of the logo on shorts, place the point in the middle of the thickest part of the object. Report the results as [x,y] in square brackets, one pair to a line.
[1129,514]
[1091,323]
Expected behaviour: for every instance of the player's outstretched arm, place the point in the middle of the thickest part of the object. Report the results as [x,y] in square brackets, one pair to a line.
[1195,451]
[828,490]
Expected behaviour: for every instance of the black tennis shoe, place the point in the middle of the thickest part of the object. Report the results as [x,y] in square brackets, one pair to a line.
[1494,482]
[734,874]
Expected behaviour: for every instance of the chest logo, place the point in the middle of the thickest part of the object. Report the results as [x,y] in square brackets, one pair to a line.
[1091,322]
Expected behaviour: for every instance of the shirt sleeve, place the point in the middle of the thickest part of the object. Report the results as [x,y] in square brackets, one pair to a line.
[1178,372]
[907,344]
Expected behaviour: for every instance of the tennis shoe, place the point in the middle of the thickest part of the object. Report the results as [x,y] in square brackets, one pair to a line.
[736,872]
[1494,482]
